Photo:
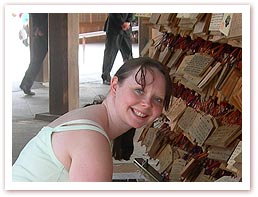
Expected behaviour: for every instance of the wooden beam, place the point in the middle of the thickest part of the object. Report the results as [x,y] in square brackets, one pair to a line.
[63,59]
[144,32]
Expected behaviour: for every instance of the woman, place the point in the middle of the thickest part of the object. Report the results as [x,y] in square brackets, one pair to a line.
[76,146]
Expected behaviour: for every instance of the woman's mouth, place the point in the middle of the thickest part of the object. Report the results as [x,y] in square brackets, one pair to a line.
[139,114]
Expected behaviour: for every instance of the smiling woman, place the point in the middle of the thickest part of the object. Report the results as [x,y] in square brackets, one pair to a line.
[138,94]
[76,146]
[144,65]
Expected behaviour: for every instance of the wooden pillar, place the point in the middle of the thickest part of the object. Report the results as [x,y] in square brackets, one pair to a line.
[144,32]
[63,59]
[63,65]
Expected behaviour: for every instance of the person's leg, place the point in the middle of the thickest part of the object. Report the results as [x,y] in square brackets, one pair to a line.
[39,51]
[126,48]
[110,53]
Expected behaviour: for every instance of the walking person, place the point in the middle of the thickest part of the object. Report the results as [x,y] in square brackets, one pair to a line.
[118,30]
[39,48]
[24,32]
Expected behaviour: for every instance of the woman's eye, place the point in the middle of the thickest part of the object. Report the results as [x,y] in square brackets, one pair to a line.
[158,100]
[139,91]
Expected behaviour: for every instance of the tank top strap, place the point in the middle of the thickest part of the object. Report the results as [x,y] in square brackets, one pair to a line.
[81,124]
[80,121]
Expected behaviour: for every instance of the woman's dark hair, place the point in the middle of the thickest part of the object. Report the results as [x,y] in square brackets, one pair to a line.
[123,146]
[145,64]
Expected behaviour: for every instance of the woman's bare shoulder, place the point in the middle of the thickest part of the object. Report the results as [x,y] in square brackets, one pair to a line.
[95,113]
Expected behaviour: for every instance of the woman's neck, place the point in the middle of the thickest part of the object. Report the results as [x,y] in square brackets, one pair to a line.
[115,125]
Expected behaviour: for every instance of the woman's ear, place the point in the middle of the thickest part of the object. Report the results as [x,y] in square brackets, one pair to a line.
[113,85]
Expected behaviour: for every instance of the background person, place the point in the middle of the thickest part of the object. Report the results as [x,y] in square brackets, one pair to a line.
[39,48]
[24,32]
[118,30]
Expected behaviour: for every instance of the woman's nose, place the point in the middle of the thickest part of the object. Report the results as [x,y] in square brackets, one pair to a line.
[146,102]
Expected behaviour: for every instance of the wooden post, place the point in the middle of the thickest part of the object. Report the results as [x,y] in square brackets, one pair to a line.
[63,65]
[63,59]
[144,32]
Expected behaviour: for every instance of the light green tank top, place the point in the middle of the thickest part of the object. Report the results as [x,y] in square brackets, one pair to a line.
[37,161]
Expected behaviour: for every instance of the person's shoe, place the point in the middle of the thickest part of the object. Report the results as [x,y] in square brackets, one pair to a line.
[106,82]
[26,90]
[106,79]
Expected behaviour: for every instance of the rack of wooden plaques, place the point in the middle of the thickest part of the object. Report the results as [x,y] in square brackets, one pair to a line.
[200,137]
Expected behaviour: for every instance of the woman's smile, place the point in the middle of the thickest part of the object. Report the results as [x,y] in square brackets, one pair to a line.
[138,113]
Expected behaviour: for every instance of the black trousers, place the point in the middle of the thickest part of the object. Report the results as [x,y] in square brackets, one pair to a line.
[38,52]
[113,44]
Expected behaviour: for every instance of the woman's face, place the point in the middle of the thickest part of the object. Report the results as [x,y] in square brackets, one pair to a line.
[138,107]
